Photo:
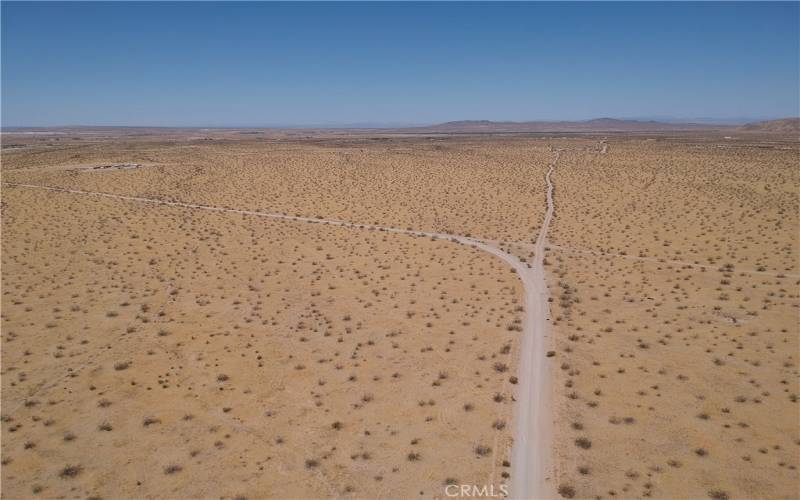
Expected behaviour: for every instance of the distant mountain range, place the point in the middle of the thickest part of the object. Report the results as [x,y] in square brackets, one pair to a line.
[787,125]
[784,126]
[599,125]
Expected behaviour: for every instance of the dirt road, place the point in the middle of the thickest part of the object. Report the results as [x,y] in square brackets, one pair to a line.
[532,436]
[532,439]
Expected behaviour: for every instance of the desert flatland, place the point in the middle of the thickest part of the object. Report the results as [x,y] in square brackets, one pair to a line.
[158,342]
[674,278]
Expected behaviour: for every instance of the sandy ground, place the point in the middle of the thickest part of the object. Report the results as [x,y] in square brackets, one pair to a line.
[172,350]
[260,357]
[532,437]
[674,277]
[469,187]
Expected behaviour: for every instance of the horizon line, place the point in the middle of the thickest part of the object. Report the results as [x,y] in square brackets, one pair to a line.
[391,125]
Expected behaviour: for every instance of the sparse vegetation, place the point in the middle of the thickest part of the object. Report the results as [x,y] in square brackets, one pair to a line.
[276,333]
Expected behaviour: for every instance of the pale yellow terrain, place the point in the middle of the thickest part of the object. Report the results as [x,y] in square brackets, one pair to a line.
[236,355]
[485,188]
[680,381]
[259,357]
[174,352]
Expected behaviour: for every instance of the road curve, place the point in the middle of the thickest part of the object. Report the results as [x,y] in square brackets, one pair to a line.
[532,440]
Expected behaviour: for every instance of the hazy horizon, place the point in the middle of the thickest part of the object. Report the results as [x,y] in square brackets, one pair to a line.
[389,124]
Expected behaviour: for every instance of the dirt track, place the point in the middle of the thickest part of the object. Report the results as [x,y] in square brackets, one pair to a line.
[532,436]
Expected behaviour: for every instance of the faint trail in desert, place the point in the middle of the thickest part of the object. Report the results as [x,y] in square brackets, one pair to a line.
[659,260]
[529,447]
[210,208]
[532,440]
[653,260]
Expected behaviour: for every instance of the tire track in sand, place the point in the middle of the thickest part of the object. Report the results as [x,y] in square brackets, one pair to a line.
[532,434]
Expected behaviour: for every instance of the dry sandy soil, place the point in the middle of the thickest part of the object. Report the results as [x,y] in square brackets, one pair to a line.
[165,351]
[674,284]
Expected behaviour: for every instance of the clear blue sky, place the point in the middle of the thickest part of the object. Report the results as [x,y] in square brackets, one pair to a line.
[253,64]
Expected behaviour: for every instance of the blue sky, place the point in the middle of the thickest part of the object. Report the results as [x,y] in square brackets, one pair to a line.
[277,64]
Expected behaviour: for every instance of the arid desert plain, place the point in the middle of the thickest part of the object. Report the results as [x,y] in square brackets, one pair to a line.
[309,314]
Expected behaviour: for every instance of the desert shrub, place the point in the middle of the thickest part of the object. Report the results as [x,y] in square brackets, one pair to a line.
[70,471]
[566,491]
[172,469]
[482,450]
[148,421]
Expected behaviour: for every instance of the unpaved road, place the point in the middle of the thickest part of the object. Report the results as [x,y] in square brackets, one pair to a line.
[530,459]
[532,434]
[482,244]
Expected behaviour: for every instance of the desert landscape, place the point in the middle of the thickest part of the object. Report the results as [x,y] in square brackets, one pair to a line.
[250,313]
[399,250]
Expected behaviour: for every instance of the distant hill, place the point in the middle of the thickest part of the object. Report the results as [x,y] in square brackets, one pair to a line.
[783,126]
[596,125]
